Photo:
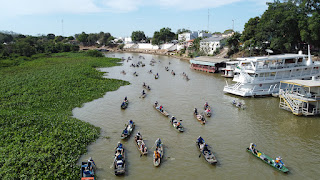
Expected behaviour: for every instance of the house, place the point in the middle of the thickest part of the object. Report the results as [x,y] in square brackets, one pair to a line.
[210,45]
[187,36]
[204,35]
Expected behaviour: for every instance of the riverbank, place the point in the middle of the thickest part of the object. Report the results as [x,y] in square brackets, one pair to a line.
[39,138]
[162,52]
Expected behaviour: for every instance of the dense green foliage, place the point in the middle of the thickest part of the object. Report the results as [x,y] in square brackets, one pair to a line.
[95,38]
[286,26]
[94,53]
[137,36]
[163,36]
[20,46]
[39,139]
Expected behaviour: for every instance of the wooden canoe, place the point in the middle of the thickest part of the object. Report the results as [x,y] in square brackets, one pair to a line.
[160,150]
[129,128]
[119,165]
[87,173]
[260,155]
[163,112]
[174,124]
[124,104]
[199,118]
[141,145]
[207,154]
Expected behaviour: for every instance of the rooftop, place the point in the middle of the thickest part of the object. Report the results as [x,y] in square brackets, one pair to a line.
[207,60]
[272,57]
[305,83]
[210,39]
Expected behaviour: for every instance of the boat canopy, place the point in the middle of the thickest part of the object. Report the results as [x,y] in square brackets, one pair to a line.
[273,57]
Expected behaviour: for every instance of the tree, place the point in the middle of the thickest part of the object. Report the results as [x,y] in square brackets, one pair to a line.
[162,36]
[51,36]
[180,31]
[279,26]
[137,36]
[92,39]
[249,33]
[83,38]
[233,43]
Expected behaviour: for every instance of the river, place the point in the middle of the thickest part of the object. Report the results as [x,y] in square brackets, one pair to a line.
[229,131]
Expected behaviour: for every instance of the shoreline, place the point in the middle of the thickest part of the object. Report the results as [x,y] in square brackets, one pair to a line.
[143,51]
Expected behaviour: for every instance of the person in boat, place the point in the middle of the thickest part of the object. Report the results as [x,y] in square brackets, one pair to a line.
[234,102]
[200,140]
[150,71]
[156,104]
[138,135]
[252,148]
[87,172]
[208,110]
[202,118]
[239,104]
[157,74]
[278,162]
[135,73]
[178,124]
[148,87]
[143,93]
[125,131]
[161,108]
[91,163]
[130,122]
[119,148]
[195,111]
[126,99]
[123,103]
[205,148]
[157,155]
[173,119]
[144,84]
[206,105]
[158,142]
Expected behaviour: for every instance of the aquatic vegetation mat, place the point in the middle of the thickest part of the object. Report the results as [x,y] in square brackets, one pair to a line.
[38,138]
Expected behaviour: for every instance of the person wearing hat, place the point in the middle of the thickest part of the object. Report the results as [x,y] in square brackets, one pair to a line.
[278,162]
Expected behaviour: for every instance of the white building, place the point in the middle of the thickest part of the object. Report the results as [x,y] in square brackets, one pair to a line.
[204,35]
[187,36]
[127,40]
[210,45]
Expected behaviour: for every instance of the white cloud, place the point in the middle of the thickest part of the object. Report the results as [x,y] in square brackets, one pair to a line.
[194,5]
[31,7]
[122,5]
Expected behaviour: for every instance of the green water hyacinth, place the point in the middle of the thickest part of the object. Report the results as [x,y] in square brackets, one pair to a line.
[39,139]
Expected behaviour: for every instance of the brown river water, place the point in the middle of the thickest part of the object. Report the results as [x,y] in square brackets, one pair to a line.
[229,131]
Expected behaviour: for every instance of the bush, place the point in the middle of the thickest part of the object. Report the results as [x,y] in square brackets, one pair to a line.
[94,53]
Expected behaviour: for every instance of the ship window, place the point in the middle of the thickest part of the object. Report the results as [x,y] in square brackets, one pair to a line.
[290,61]
[300,60]
[261,75]
[273,74]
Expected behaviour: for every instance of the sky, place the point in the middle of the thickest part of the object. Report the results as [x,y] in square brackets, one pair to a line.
[122,17]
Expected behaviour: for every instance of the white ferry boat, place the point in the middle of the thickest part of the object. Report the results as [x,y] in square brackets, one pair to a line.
[259,76]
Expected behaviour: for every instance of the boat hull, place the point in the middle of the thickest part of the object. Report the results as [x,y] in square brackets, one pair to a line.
[263,157]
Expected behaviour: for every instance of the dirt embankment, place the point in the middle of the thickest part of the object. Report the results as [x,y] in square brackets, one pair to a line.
[163,52]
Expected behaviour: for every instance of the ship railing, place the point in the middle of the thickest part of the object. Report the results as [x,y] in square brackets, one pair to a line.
[295,107]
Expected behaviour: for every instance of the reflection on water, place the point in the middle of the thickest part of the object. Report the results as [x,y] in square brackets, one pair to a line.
[229,131]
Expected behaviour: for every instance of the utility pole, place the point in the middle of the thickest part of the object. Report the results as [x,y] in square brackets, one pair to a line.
[62,26]
[208,19]
[233,25]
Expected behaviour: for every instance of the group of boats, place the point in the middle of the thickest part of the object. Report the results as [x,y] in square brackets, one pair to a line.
[173,120]
[201,116]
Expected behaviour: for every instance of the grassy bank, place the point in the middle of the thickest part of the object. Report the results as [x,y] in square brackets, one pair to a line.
[39,139]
